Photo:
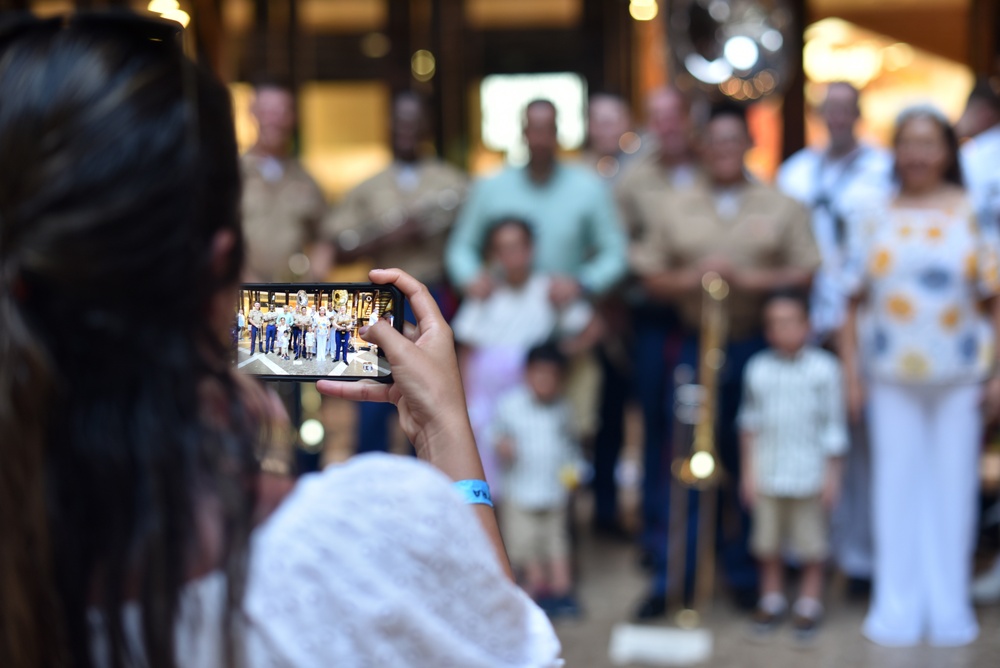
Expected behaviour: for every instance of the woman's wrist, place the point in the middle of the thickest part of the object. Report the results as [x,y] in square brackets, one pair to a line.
[449,445]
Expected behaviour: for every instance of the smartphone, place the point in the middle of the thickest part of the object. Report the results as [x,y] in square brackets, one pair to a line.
[310,331]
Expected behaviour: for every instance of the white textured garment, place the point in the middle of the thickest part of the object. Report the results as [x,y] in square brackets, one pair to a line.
[377,562]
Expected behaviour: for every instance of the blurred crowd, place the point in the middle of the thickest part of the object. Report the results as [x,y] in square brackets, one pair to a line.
[856,377]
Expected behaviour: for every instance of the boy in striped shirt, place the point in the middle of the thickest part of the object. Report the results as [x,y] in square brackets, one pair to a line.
[540,457]
[793,433]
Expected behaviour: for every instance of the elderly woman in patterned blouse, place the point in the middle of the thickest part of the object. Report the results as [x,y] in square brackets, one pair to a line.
[925,272]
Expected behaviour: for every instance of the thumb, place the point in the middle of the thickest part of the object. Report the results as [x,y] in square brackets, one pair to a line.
[386,337]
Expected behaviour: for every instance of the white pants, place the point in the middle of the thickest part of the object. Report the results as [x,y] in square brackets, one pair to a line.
[925,450]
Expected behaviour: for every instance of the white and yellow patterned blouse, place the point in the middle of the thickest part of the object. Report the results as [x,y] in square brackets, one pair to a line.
[924,274]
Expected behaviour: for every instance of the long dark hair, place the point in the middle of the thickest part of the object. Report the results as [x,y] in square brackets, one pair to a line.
[953,174]
[119,418]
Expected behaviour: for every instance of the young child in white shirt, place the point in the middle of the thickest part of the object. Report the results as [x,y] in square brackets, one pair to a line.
[310,342]
[282,330]
[793,429]
[540,460]
[286,340]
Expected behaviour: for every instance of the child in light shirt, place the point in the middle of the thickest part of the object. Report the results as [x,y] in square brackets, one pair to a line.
[310,342]
[540,460]
[286,340]
[793,430]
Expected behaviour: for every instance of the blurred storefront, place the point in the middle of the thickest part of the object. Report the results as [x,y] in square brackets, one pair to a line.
[347,57]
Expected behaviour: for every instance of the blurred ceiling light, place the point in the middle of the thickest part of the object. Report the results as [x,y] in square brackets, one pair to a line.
[312,400]
[723,44]
[608,167]
[772,40]
[630,143]
[312,434]
[643,10]
[730,87]
[857,62]
[170,10]
[423,65]
[299,264]
[710,71]
[741,52]
[719,10]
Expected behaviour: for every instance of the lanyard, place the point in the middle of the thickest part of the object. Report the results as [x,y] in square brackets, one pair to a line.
[824,198]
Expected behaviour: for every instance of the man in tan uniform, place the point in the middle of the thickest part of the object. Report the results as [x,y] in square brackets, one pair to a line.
[670,165]
[256,319]
[644,327]
[400,218]
[608,120]
[282,205]
[757,239]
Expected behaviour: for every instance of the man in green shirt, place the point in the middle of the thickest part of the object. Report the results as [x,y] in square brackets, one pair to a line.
[578,239]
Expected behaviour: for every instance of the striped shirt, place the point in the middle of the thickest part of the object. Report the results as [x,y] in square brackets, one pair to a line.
[793,407]
[543,447]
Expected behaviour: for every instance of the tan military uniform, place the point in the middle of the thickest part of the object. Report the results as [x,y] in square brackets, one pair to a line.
[768,231]
[256,318]
[282,210]
[643,178]
[431,194]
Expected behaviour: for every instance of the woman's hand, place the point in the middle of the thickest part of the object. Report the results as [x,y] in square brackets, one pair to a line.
[427,390]
[832,477]
[427,387]
[855,397]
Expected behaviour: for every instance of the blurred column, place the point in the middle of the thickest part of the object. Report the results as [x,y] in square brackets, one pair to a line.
[984,47]
[450,91]
[793,109]
[398,75]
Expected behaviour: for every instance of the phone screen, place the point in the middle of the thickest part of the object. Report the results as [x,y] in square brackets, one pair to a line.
[311,331]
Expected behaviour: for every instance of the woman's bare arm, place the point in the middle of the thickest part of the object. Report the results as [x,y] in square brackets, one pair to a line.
[428,392]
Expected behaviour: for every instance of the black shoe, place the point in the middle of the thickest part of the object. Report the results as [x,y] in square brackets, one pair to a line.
[647,561]
[611,529]
[745,598]
[653,607]
[804,629]
[859,589]
[563,607]
[764,622]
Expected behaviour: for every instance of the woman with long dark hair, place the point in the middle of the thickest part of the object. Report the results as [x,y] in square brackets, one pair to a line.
[128,484]
[925,270]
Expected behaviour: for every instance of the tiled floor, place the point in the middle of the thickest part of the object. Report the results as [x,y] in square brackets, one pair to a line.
[611,584]
[362,363]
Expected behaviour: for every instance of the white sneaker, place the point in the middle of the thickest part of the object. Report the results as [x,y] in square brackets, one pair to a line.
[986,588]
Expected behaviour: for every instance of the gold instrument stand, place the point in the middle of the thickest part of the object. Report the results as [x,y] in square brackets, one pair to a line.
[690,642]
[700,469]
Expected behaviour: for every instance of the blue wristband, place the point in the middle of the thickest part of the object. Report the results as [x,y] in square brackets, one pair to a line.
[474,491]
